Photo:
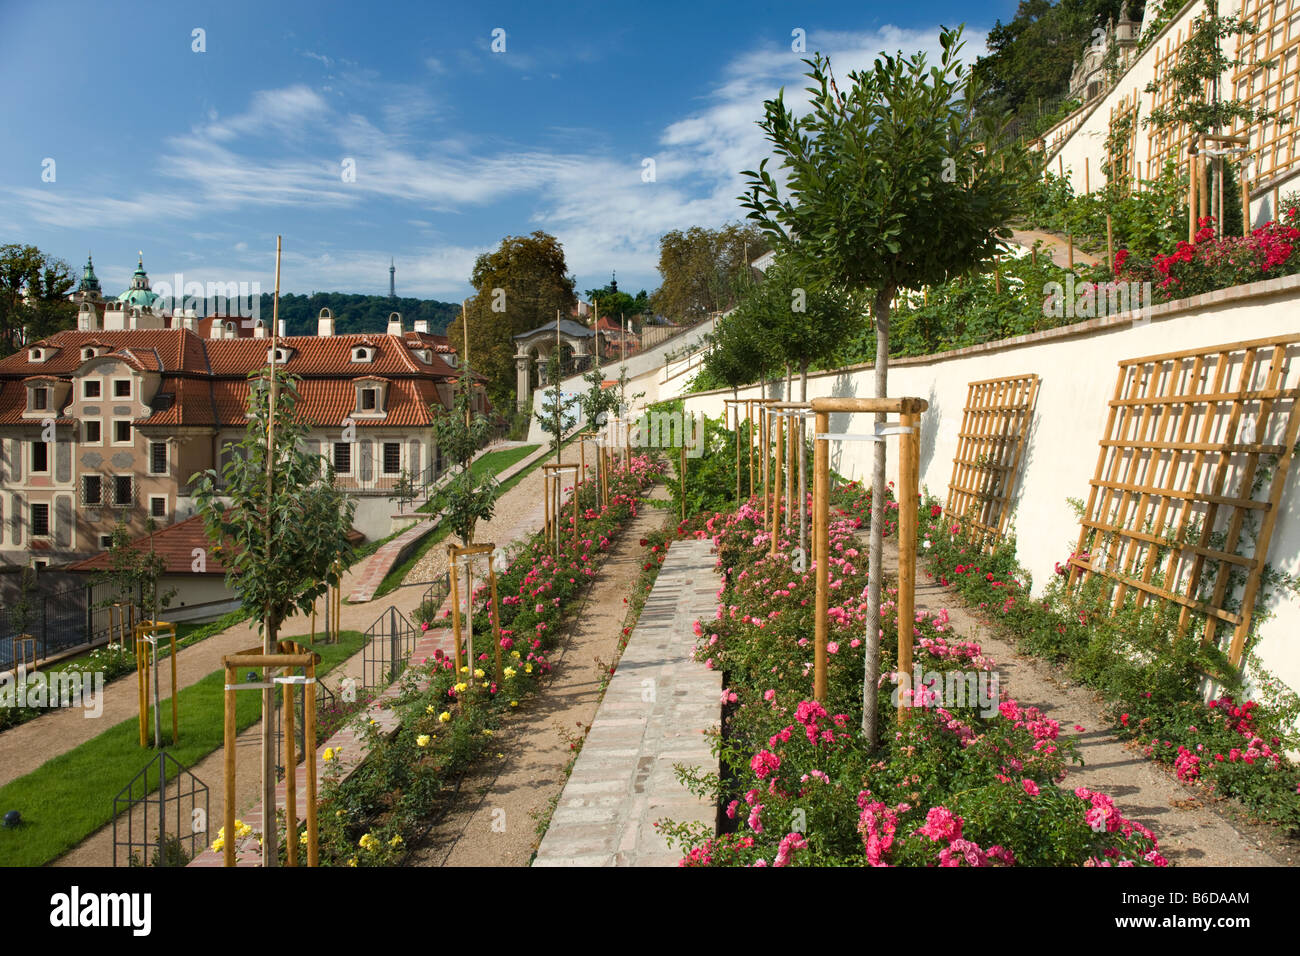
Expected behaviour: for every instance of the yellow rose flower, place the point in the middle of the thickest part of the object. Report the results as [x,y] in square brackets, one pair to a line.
[509,672]
[422,740]
[515,655]
[464,670]
[444,717]
[352,861]
[528,668]
[487,732]
[431,709]
[331,754]
[396,840]
[514,703]
[462,687]
[478,673]
[368,842]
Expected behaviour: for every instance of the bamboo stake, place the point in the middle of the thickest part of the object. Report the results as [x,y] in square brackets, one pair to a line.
[821,550]
[1087,183]
[1071,251]
[779,424]
[749,418]
[496,620]
[1245,203]
[1110,245]
[270,850]
[455,613]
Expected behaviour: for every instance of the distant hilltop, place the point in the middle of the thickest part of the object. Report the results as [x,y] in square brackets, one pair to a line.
[357,313]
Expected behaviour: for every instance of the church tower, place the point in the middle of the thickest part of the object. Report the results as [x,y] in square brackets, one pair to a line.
[392,278]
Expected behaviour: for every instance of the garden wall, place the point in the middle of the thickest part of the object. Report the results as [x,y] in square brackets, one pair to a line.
[1078,367]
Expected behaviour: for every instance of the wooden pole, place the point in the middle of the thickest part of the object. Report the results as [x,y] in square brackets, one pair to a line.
[821,550]
[765,434]
[455,613]
[907,527]
[735,414]
[496,620]
[803,486]
[228,759]
[290,777]
[997,275]
[789,473]
[1087,182]
[309,739]
[1245,202]
[683,475]
[469,382]
[778,423]
[270,849]
[1191,192]
[749,419]
[1071,250]
[176,712]
[1110,244]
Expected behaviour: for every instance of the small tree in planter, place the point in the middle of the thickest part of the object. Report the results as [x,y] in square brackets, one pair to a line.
[466,499]
[890,185]
[556,416]
[280,527]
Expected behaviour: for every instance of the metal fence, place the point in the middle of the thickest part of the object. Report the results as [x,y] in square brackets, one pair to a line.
[57,621]
[388,644]
[172,828]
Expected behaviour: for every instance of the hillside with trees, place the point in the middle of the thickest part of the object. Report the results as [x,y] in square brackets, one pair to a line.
[357,313]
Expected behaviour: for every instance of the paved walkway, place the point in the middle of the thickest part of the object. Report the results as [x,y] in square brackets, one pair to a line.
[1054,246]
[493,821]
[654,715]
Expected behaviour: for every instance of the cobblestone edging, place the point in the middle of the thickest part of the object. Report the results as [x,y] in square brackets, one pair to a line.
[654,714]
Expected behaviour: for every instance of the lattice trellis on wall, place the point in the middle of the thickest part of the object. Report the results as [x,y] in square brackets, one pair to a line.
[1170,143]
[990,447]
[1122,161]
[1274,146]
[1177,476]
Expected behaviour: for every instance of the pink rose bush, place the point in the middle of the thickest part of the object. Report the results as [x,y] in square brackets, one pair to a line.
[953,785]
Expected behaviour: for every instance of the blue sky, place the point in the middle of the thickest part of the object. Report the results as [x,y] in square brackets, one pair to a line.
[200,158]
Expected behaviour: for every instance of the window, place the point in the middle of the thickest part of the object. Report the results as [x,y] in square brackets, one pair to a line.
[392,457]
[92,490]
[342,457]
[122,388]
[123,492]
[93,433]
[106,541]
[40,521]
[40,399]
[121,431]
[158,458]
[88,353]
[362,354]
[367,400]
[90,388]
[40,456]
[37,355]
[158,506]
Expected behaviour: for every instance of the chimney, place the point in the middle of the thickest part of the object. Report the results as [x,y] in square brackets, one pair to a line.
[282,328]
[259,331]
[422,326]
[218,329]
[325,324]
[394,323]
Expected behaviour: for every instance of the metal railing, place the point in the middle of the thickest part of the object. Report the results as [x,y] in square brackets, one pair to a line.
[388,643]
[57,621]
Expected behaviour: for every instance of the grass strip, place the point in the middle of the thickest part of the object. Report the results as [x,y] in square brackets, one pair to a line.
[70,796]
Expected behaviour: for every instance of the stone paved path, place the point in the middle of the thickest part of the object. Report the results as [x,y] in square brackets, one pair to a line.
[654,715]
[493,823]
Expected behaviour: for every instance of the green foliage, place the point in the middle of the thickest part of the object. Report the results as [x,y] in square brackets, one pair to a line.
[357,313]
[520,286]
[469,496]
[556,417]
[701,269]
[133,574]
[281,546]
[34,287]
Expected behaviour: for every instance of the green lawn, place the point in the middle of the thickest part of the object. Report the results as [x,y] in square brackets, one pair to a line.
[493,463]
[71,796]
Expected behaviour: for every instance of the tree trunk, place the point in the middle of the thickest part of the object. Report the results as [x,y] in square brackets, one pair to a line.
[871,673]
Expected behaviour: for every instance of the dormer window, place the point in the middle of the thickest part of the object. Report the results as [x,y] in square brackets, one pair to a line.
[363,354]
[88,353]
[36,355]
[424,355]
[452,359]
[372,397]
[40,399]
[281,356]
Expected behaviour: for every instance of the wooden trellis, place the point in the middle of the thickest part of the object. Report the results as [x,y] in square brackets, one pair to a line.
[1275,144]
[1171,142]
[1123,162]
[1176,478]
[990,447]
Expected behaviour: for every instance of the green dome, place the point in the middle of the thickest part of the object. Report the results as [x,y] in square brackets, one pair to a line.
[139,294]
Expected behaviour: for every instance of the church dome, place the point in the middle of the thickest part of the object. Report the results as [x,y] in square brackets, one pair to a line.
[139,294]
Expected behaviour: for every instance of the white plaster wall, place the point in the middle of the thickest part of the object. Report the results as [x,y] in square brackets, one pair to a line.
[1078,368]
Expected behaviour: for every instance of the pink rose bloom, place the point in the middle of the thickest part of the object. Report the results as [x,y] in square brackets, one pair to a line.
[832,648]
[1031,788]
[764,763]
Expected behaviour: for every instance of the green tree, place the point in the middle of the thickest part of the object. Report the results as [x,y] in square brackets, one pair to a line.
[466,499]
[34,288]
[556,417]
[519,286]
[890,186]
[702,267]
[133,575]
[280,531]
